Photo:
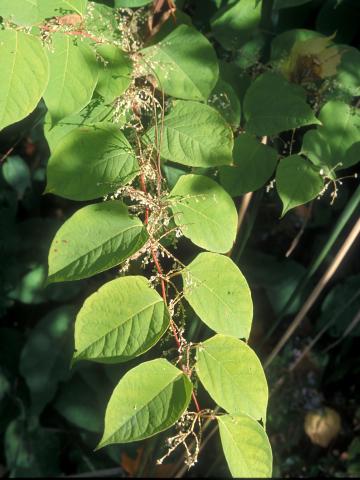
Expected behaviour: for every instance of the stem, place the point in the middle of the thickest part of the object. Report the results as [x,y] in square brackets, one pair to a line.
[351,206]
[316,292]
[163,292]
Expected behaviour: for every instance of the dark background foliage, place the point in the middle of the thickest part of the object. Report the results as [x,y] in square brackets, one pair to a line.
[51,417]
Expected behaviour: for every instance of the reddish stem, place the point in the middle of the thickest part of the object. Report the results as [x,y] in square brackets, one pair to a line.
[46,28]
[163,290]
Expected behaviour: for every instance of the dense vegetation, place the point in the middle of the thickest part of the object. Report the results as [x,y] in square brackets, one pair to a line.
[179,199]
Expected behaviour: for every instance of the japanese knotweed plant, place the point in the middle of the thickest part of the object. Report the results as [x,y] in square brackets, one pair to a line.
[144,121]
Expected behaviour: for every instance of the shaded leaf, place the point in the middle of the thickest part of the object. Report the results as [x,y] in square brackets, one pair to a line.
[297,182]
[93,113]
[17,174]
[148,399]
[184,64]
[90,162]
[234,25]
[272,105]
[254,164]
[334,145]
[96,238]
[205,213]
[22,57]
[45,358]
[73,76]
[115,73]
[120,321]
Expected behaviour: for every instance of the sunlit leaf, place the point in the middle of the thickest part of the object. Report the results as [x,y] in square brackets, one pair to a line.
[148,399]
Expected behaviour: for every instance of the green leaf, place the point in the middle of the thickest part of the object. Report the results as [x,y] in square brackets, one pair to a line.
[17,174]
[186,137]
[334,145]
[226,101]
[184,64]
[73,76]
[219,294]
[112,236]
[232,374]
[115,74]
[148,399]
[246,447]
[297,182]
[94,112]
[254,164]
[48,9]
[347,80]
[31,453]
[122,320]
[45,359]
[23,75]
[234,25]
[29,12]
[20,12]
[90,162]
[102,22]
[82,399]
[205,213]
[283,43]
[272,105]
[131,3]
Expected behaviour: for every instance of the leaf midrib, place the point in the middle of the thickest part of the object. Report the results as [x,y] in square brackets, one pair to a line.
[138,411]
[96,248]
[149,305]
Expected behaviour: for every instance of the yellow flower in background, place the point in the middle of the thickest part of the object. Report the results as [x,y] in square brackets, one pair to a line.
[312,59]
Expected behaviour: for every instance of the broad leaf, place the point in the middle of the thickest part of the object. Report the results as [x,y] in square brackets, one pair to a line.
[31,452]
[148,399]
[246,446]
[219,294]
[122,320]
[115,73]
[28,12]
[234,25]
[90,162]
[297,182]
[94,239]
[82,399]
[55,8]
[131,3]
[73,76]
[254,164]
[186,138]
[17,174]
[22,12]
[283,43]
[102,22]
[184,64]
[205,213]
[45,359]
[226,101]
[23,75]
[93,113]
[348,73]
[334,145]
[272,105]
[232,374]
